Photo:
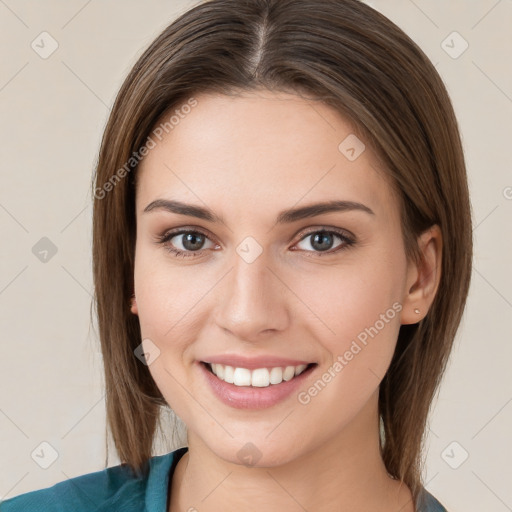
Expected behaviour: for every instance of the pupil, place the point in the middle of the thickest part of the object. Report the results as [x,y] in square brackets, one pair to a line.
[191,241]
[322,241]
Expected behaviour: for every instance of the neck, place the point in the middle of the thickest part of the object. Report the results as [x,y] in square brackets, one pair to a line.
[348,471]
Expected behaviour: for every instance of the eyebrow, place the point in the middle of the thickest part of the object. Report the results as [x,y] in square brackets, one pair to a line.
[284,217]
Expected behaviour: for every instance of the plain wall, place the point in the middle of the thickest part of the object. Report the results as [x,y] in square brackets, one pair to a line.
[53,112]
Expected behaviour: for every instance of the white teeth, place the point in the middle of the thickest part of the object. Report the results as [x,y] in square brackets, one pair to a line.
[242,377]
[299,369]
[289,373]
[276,375]
[260,377]
[228,374]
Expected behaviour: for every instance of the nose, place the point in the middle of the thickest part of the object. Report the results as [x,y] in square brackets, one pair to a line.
[252,302]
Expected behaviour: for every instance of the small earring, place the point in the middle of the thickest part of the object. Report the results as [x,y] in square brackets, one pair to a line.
[417,311]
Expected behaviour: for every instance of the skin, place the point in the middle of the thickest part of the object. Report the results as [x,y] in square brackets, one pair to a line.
[247,157]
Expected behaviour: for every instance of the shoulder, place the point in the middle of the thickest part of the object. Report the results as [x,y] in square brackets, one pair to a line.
[430,503]
[114,488]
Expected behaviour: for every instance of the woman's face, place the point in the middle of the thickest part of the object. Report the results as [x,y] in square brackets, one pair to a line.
[260,289]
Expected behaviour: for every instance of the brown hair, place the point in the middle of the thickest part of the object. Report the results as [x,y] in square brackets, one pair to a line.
[354,59]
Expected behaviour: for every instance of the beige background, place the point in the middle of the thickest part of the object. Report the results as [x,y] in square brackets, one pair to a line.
[53,112]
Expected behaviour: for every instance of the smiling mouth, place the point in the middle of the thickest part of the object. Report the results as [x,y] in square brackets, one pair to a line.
[259,377]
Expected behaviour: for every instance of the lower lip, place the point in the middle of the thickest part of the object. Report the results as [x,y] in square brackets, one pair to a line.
[248,397]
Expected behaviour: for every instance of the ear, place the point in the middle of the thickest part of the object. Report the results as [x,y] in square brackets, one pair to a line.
[133,305]
[423,278]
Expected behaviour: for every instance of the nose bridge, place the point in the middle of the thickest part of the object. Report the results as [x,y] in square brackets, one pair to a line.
[253,299]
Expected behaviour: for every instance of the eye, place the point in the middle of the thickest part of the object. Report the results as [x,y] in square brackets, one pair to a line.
[321,241]
[191,242]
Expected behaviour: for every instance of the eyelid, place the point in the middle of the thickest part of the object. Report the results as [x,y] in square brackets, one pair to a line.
[315,229]
[171,233]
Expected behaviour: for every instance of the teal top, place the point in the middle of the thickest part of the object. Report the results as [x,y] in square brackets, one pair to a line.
[117,489]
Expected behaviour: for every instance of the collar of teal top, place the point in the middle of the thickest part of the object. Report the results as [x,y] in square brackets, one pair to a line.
[158,485]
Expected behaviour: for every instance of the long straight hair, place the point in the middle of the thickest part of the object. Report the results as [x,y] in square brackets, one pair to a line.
[355,60]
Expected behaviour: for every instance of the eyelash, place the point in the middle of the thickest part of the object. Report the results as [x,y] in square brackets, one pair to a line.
[166,237]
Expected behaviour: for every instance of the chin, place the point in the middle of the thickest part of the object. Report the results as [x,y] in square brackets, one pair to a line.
[257,451]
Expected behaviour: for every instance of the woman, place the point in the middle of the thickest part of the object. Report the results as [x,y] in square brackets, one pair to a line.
[282,255]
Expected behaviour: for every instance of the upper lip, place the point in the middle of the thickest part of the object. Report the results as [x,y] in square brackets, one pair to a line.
[251,363]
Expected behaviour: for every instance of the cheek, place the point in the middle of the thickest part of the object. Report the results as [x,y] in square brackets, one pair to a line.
[358,331]
[166,292]
[162,299]
[167,301]
[354,312]
[347,300]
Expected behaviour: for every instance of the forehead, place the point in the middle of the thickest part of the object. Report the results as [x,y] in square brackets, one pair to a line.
[261,150]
